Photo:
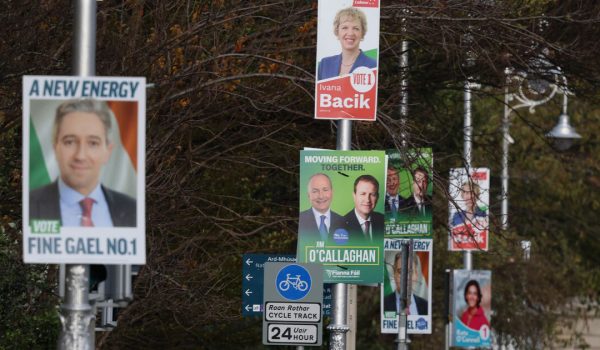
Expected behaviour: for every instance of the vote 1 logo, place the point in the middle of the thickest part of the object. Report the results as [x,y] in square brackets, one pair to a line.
[362,79]
[484,332]
[293,282]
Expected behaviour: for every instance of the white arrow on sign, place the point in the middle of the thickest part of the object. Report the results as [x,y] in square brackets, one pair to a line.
[248,308]
[249,277]
[248,292]
[249,262]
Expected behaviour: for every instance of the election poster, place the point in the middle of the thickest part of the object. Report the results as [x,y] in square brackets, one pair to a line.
[419,274]
[408,193]
[341,219]
[471,308]
[84,170]
[347,59]
[469,209]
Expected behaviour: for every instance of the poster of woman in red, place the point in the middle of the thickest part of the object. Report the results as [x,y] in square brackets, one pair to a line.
[347,59]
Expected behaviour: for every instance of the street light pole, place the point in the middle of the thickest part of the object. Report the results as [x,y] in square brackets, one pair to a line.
[339,291]
[563,132]
[404,81]
[506,141]
[467,149]
[76,314]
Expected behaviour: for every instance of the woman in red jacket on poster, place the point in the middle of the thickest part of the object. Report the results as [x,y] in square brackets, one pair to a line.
[473,317]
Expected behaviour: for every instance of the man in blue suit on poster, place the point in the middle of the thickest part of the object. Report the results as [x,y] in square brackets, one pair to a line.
[319,222]
[363,224]
[82,147]
[391,302]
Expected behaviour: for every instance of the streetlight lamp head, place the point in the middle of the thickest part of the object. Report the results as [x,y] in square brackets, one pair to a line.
[563,133]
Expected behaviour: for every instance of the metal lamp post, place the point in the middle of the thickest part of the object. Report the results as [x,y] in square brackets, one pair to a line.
[339,291]
[76,314]
[563,133]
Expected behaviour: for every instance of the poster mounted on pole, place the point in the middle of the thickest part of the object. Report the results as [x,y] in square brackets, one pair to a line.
[471,308]
[84,170]
[409,190]
[347,59]
[469,209]
[341,219]
[419,310]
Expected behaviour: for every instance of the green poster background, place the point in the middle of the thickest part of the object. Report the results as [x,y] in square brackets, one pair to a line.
[343,175]
[410,225]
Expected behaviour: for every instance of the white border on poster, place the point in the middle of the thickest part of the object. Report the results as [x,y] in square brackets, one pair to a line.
[390,324]
[457,177]
[470,337]
[358,99]
[328,44]
[89,245]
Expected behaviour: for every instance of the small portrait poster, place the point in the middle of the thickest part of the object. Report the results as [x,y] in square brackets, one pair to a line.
[341,219]
[419,304]
[471,308]
[347,59]
[469,209]
[408,193]
[84,170]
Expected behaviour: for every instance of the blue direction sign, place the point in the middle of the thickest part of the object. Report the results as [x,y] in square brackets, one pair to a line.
[253,280]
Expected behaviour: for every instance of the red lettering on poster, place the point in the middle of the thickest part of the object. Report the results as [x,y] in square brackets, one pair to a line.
[465,237]
[482,175]
[365,3]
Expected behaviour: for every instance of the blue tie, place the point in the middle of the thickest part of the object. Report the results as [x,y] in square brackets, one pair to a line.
[323,228]
[394,209]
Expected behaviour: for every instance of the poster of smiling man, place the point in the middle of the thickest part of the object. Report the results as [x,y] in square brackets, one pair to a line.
[84,170]
[408,193]
[419,274]
[341,219]
[468,209]
[347,59]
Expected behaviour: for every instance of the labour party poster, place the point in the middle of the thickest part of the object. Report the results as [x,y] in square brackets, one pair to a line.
[341,220]
[347,59]
[471,308]
[419,303]
[83,170]
[408,193]
[468,209]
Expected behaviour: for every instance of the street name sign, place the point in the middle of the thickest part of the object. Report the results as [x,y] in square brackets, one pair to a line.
[293,299]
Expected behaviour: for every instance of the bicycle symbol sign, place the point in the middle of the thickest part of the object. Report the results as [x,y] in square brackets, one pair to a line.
[293,282]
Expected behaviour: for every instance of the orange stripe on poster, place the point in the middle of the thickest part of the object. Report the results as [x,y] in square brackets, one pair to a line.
[127,118]
[424,258]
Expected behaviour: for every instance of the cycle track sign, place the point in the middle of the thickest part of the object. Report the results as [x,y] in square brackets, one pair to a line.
[293,299]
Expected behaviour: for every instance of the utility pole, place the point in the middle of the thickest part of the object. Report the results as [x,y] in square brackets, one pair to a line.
[404,85]
[406,261]
[467,148]
[339,291]
[76,314]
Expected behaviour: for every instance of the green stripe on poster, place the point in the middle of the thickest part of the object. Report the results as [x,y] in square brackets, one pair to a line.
[371,53]
[38,174]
